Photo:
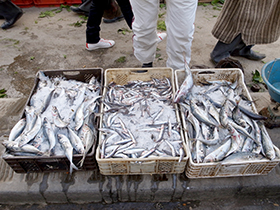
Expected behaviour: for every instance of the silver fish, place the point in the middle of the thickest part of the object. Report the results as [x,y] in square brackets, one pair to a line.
[76,141]
[50,133]
[79,117]
[185,87]
[57,119]
[17,129]
[219,153]
[68,149]
[88,138]
[27,137]
[200,114]
[267,144]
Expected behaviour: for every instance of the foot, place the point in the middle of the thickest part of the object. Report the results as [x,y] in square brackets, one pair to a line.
[161,36]
[248,53]
[103,43]
[76,9]
[112,20]
[9,23]
[147,65]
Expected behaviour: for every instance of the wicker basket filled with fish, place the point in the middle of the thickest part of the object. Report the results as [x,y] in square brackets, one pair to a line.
[140,131]
[225,135]
[59,120]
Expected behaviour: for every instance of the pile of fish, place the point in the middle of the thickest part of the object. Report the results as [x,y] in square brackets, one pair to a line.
[59,120]
[220,124]
[139,121]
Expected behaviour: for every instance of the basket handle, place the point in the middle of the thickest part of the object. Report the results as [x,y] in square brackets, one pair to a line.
[71,73]
[206,72]
[144,71]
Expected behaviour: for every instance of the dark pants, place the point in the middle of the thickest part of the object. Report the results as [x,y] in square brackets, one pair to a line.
[8,10]
[95,16]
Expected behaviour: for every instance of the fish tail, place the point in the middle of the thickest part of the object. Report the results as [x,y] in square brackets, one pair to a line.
[82,160]
[71,168]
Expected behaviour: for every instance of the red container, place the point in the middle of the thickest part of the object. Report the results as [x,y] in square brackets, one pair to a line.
[74,2]
[49,3]
[23,3]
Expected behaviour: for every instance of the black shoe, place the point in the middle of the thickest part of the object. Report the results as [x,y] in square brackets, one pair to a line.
[147,65]
[77,10]
[7,24]
[248,53]
[112,20]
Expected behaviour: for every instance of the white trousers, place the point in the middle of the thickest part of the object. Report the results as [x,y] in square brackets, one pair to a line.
[179,22]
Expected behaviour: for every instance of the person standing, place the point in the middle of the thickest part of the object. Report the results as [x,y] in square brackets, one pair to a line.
[179,22]
[242,24]
[10,12]
[93,40]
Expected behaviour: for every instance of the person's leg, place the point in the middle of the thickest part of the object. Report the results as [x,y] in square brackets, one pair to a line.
[179,22]
[94,21]
[93,40]
[126,11]
[223,50]
[144,28]
[10,12]
[83,8]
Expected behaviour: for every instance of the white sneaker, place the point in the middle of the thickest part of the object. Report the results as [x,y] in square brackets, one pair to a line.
[103,43]
[161,36]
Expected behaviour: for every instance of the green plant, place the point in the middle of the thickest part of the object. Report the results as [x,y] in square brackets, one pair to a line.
[257,77]
[124,30]
[162,6]
[46,14]
[78,23]
[3,93]
[161,14]
[32,58]
[161,25]
[121,59]
[50,13]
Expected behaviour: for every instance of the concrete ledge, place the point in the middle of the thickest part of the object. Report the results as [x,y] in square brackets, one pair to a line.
[92,187]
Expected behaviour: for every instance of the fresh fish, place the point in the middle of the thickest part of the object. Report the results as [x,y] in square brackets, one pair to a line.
[57,119]
[17,129]
[88,138]
[79,117]
[236,140]
[224,113]
[237,116]
[200,114]
[27,137]
[50,133]
[14,147]
[219,153]
[185,87]
[243,157]
[68,149]
[267,144]
[76,141]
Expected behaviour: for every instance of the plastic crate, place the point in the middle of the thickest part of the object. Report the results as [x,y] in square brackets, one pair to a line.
[23,3]
[48,3]
[150,165]
[73,2]
[220,169]
[25,164]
